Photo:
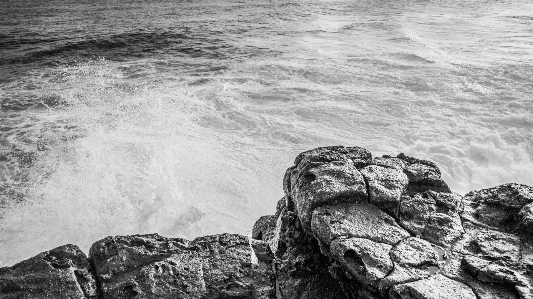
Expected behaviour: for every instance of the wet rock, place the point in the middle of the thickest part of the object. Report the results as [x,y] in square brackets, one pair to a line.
[385,186]
[359,220]
[151,266]
[435,287]
[63,272]
[423,175]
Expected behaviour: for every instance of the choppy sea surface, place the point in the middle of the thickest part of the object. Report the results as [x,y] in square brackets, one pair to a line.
[180,117]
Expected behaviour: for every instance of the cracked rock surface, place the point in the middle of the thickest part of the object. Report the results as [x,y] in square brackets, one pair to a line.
[151,266]
[349,226]
[406,236]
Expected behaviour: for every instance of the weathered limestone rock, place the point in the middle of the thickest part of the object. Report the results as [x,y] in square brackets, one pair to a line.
[435,287]
[385,186]
[359,220]
[415,252]
[423,176]
[63,272]
[331,183]
[151,266]
[367,261]
[495,246]
[358,155]
[414,259]
[500,207]
[324,176]
[388,161]
[433,216]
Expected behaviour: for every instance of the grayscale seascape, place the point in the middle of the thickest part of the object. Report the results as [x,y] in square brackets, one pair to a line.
[180,117]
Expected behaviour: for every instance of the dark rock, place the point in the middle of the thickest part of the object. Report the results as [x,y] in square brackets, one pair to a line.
[264,227]
[262,251]
[301,269]
[151,266]
[63,272]
[526,220]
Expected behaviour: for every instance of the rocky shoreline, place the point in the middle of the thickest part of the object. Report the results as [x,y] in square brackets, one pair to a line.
[349,226]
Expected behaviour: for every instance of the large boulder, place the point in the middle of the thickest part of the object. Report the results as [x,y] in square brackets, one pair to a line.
[152,266]
[408,236]
[326,176]
[63,272]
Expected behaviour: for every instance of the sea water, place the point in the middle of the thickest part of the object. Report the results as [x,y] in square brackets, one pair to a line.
[180,117]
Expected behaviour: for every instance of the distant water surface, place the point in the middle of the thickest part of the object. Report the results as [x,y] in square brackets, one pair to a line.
[180,117]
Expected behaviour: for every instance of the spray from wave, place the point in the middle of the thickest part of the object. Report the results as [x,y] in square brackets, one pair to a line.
[144,161]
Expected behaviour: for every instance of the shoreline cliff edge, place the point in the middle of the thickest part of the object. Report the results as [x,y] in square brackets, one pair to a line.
[349,226]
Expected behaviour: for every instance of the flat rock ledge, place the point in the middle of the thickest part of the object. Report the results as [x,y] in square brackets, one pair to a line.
[349,226]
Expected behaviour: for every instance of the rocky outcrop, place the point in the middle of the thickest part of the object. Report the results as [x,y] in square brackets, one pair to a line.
[349,226]
[151,266]
[63,272]
[390,227]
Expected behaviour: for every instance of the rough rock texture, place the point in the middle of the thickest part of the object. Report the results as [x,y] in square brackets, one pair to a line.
[407,236]
[63,272]
[151,266]
[349,226]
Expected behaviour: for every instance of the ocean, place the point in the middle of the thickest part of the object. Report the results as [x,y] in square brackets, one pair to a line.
[180,117]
